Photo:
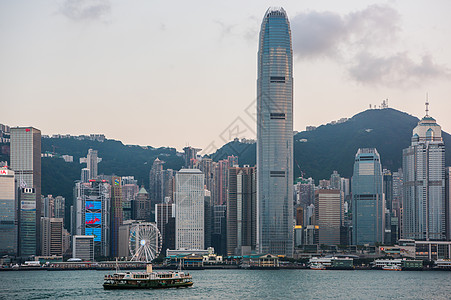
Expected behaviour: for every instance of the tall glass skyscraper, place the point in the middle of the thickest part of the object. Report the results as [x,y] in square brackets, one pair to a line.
[275,135]
[368,205]
[26,163]
[423,209]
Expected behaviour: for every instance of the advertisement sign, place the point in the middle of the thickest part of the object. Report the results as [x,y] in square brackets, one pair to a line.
[93,205]
[28,205]
[93,218]
[96,232]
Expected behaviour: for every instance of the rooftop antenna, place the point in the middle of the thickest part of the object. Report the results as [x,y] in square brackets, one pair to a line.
[427,105]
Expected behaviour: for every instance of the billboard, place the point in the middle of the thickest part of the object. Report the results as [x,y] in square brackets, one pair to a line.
[28,205]
[93,219]
[93,205]
[96,232]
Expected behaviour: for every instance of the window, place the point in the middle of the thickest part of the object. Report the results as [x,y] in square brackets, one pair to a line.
[277,79]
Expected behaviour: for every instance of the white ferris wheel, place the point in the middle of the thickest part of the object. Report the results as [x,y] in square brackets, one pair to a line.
[145,242]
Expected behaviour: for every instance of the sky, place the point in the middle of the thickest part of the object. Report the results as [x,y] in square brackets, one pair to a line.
[178,73]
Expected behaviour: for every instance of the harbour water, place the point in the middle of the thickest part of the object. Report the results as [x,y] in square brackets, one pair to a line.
[237,284]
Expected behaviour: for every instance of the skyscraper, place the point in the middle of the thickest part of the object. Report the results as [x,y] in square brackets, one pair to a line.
[241,211]
[93,213]
[329,215]
[189,209]
[116,216]
[275,135]
[26,163]
[52,236]
[91,161]
[8,215]
[423,208]
[368,208]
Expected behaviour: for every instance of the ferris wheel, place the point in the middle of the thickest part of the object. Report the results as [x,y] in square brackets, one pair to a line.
[145,242]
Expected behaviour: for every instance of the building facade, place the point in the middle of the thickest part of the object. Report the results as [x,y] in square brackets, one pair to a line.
[93,205]
[275,135]
[52,236]
[8,213]
[368,208]
[329,215]
[423,208]
[26,163]
[241,211]
[189,209]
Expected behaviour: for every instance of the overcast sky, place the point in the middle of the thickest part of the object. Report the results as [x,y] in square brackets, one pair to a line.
[173,73]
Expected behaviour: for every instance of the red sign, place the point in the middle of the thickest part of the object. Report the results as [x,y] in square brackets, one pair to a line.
[27,129]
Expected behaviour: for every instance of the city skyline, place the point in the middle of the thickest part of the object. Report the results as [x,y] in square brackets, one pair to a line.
[87,59]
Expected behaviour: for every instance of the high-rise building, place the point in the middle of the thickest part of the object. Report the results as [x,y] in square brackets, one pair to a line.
[92,213]
[155,182]
[165,217]
[219,229]
[190,155]
[208,204]
[8,212]
[335,181]
[329,215]
[116,216]
[130,189]
[448,203]
[141,206]
[241,211]
[423,208]
[368,208]
[388,188]
[26,163]
[189,209]
[52,236]
[83,247]
[222,177]
[27,222]
[275,135]
[91,161]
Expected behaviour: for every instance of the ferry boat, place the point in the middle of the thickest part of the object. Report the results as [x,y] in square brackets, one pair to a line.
[317,266]
[147,280]
[392,268]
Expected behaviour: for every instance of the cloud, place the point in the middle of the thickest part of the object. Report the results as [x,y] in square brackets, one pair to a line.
[397,70]
[86,10]
[364,41]
[317,34]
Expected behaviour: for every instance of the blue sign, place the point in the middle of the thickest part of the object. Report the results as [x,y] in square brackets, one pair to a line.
[96,232]
[93,205]
[93,219]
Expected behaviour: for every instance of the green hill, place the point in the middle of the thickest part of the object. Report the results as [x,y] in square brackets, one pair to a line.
[330,147]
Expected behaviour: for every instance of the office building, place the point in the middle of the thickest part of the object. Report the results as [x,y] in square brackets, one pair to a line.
[368,208]
[52,236]
[8,212]
[190,155]
[83,247]
[423,208]
[448,203]
[141,207]
[165,219]
[92,213]
[275,135]
[91,161]
[219,229]
[189,209]
[116,215]
[27,222]
[26,163]
[241,211]
[329,215]
[130,189]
